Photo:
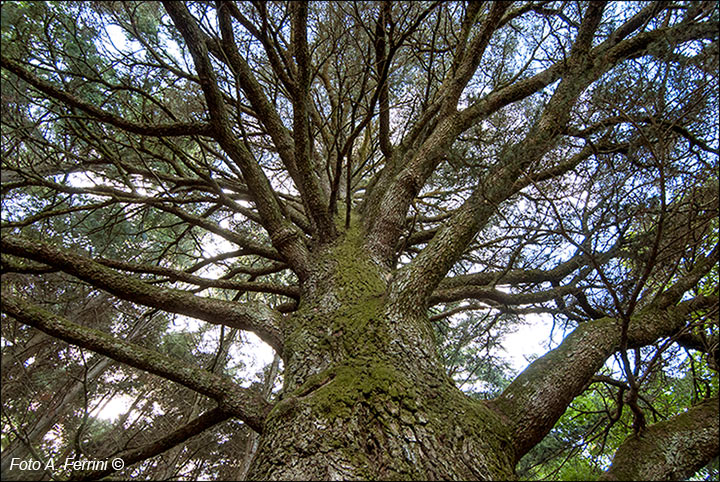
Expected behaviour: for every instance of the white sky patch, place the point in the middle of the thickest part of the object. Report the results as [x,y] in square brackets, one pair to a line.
[184,324]
[254,354]
[83,179]
[117,36]
[111,410]
[531,339]
[118,41]
[88,179]
[212,246]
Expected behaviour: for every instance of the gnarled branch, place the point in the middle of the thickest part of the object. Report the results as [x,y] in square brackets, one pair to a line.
[670,450]
[540,394]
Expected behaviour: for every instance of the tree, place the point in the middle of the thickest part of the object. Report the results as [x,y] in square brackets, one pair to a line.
[377,190]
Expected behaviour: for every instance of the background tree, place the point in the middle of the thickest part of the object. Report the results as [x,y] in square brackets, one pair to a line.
[379,191]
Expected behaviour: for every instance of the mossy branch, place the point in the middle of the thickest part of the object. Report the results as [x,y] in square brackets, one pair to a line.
[537,398]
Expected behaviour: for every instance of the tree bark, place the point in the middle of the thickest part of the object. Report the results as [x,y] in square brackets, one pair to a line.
[365,394]
[670,450]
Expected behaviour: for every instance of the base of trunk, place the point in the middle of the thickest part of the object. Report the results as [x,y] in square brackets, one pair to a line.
[367,421]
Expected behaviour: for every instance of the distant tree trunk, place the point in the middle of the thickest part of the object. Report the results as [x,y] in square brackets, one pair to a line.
[254,438]
[22,448]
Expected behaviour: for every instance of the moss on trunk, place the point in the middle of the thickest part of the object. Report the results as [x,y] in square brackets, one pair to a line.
[365,396]
[367,420]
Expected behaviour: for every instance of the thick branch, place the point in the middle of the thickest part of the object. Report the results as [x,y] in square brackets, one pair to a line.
[296,156]
[497,296]
[255,317]
[393,205]
[285,236]
[244,403]
[316,201]
[609,52]
[380,62]
[584,66]
[671,450]
[468,57]
[272,50]
[522,276]
[540,394]
[420,278]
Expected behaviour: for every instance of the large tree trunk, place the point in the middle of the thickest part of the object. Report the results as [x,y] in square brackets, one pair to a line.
[503,162]
[365,395]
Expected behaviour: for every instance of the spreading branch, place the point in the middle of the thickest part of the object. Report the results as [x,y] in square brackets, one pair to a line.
[95,113]
[246,404]
[285,236]
[251,316]
[540,394]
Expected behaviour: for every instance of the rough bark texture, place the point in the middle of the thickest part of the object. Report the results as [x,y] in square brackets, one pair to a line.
[670,450]
[365,395]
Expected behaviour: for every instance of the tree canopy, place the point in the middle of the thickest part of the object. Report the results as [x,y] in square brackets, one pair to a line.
[176,175]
